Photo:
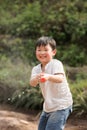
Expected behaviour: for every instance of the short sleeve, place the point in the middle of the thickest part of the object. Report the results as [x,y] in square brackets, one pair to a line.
[58,67]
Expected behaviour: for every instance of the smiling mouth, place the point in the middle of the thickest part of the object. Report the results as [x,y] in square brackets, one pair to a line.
[42,57]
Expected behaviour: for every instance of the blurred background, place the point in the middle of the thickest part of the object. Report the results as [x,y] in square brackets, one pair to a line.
[21,23]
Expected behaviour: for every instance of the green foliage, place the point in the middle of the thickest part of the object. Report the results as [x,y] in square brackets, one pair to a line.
[64,21]
[29,51]
[11,47]
[79,91]
[27,97]
[12,76]
[28,23]
[72,55]
[18,48]
[14,83]
[76,73]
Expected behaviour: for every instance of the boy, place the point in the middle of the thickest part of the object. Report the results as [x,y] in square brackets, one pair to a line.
[50,76]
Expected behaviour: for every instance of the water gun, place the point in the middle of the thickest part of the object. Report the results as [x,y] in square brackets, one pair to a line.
[42,80]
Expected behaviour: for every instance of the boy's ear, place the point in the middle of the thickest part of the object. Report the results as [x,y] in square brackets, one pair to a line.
[54,52]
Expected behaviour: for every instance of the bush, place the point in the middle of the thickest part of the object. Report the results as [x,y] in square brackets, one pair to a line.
[28,98]
[13,77]
[72,55]
[79,91]
[64,21]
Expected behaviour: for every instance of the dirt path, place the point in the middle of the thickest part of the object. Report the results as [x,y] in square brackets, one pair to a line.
[11,119]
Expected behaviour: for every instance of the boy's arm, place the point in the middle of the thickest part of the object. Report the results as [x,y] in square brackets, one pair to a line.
[57,78]
[34,82]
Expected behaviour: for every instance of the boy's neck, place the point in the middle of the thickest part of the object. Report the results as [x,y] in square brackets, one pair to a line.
[43,67]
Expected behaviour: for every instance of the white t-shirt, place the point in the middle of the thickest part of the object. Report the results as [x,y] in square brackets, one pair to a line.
[56,96]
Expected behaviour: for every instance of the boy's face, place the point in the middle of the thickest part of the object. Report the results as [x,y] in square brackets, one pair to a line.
[45,53]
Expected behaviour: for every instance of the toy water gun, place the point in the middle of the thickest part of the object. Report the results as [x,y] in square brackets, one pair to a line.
[42,80]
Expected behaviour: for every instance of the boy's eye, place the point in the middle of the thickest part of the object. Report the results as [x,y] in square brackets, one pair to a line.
[45,50]
[42,50]
[38,50]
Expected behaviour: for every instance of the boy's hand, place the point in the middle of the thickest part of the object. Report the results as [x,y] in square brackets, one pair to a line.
[56,78]
[42,80]
[44,77]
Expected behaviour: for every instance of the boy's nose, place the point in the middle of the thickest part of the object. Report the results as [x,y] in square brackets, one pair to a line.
[42,52]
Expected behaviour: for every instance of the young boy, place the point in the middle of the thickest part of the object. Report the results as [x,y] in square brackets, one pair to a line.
[50,76]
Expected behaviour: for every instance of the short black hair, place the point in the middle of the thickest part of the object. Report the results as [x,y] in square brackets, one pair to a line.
[44,40]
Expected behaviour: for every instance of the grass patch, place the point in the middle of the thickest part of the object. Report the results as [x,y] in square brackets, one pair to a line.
[13,76]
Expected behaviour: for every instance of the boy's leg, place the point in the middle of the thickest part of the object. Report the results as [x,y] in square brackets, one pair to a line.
[42,122]
[58,119]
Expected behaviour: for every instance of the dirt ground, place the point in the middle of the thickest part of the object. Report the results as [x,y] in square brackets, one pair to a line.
[12,119]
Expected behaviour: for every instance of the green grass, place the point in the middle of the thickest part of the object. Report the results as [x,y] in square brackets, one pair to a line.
[13,76]
[79,92]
